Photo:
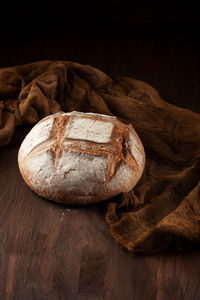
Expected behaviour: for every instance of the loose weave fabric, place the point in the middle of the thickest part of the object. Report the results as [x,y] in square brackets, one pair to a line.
[163,211]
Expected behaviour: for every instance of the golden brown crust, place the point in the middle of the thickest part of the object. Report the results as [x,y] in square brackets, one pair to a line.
[117,150]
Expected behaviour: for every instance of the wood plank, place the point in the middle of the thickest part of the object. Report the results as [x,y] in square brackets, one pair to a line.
[53,251]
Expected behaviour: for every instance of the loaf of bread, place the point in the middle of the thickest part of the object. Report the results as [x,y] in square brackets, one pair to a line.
[81,158]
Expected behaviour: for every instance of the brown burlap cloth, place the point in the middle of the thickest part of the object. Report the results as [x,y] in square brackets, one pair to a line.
[163,211]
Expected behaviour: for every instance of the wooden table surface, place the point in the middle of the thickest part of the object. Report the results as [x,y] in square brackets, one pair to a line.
[52,251]
[56,252]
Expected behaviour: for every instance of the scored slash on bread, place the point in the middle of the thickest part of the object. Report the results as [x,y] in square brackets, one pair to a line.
[116,150]
[81,158]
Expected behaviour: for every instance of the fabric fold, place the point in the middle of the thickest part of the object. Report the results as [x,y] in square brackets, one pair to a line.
[162,212]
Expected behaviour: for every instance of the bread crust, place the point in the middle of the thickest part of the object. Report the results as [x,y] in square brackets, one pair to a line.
[81,158]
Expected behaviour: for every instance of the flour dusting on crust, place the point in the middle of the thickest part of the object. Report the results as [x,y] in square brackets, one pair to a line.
[90,130]
[38,134]
[81,158]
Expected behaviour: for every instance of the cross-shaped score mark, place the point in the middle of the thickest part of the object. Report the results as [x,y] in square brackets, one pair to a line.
[117,150]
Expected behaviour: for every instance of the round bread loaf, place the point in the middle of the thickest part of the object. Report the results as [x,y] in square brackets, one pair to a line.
[81,158]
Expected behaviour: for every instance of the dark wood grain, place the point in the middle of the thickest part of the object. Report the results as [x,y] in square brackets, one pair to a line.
[52,251]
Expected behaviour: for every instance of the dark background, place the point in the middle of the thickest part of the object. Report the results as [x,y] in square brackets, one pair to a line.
[154,41]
